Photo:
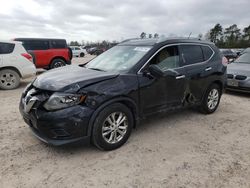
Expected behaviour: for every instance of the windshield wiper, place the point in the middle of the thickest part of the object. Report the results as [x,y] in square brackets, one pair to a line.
[97,69]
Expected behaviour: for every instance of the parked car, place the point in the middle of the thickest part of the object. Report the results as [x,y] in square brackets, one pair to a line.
[247,50]
[238,76]
[47,53]
[15,63]
[229,54]
[104,100]
[95,51]
[77,51]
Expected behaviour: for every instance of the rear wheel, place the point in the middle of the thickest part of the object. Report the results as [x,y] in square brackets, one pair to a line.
[57,63]
[112,127]
[9,79]
[82,54]
[211,99]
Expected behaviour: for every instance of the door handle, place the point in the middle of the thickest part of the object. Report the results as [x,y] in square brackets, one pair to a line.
[208,69]
[180,77]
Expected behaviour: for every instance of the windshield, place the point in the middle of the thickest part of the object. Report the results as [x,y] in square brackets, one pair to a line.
[244,58]
[118,58]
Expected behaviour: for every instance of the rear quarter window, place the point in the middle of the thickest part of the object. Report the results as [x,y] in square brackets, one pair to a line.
[191,54]
[58,44]
[6,48]
[207,52]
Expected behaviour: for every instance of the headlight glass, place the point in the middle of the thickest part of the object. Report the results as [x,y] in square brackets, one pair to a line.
[63,100]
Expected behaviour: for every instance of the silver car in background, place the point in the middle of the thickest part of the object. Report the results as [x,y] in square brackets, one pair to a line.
[238,74]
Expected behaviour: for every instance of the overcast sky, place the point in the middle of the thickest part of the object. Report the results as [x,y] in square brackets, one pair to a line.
[117,19]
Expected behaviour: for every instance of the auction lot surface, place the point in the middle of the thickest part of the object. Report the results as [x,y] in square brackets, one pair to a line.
[181,149]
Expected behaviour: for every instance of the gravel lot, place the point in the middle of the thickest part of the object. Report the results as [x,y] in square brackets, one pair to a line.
[181,149]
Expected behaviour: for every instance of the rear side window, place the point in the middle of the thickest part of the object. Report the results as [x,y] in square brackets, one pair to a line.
[58,44]
[6,48]
[207,52]
[191,54]
[36,45]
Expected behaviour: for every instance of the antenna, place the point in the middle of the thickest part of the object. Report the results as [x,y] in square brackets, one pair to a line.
[189,35]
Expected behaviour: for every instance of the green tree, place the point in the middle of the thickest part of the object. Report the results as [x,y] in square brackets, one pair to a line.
[150,36]
[215,33]
[232,36]
[246,34]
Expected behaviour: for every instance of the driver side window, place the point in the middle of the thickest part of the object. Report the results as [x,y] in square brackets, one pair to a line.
[167,58]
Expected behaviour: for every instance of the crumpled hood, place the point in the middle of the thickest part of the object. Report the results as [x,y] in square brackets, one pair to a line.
[239,69]
[70,78]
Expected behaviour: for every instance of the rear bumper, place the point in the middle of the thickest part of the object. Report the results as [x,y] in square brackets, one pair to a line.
[28,71]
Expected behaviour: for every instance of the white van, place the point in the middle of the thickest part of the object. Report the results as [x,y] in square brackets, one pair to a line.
[15,63]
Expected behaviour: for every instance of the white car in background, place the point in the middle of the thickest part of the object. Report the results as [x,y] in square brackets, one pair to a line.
[78,51]
[15,63]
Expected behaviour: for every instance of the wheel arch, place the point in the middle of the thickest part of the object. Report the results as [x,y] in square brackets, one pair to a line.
[129,103]
[58,57]
[218,82]
[12,68]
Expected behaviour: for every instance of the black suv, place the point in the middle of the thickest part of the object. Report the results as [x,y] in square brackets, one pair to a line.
[104,100]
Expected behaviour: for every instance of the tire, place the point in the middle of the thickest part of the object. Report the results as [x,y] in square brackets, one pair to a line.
[82,54]
[70,53]
[9,79]
[57,63]
[211,99]
[107,136]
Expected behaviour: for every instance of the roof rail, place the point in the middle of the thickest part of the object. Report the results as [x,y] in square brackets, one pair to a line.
[130,39]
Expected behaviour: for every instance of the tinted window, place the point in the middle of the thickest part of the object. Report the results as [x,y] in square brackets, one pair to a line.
[36,45]
[57,44]
[191,54]
[207,52]
[168,58]
[77,48]
[6,48]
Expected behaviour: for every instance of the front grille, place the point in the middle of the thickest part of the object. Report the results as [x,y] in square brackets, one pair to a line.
[240,77]
[230,76]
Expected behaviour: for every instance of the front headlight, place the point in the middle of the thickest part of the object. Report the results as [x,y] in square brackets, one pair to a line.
[63,100]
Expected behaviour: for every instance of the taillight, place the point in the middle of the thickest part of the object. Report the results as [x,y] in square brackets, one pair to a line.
[27,56]
[224,61]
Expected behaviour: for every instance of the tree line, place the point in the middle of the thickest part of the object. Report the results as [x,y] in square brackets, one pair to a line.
[229,37]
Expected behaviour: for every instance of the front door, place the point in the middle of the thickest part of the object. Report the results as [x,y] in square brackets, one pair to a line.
[158,94]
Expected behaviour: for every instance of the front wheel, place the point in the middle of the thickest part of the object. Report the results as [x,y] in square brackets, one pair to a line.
[9,79]
[112,127]
[211,99]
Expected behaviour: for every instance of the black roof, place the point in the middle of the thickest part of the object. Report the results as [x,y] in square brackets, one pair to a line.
[153,41]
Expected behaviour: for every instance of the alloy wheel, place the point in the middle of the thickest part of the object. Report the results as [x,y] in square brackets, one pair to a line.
[115,127]
[8,79]
[213,99]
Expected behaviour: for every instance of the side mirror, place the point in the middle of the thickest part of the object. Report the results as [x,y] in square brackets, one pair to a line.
[155,71]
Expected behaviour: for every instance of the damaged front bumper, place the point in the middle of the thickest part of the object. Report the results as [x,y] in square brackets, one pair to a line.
[58,127]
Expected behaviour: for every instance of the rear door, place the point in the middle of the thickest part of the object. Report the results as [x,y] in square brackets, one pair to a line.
[39,49]
[195,58]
